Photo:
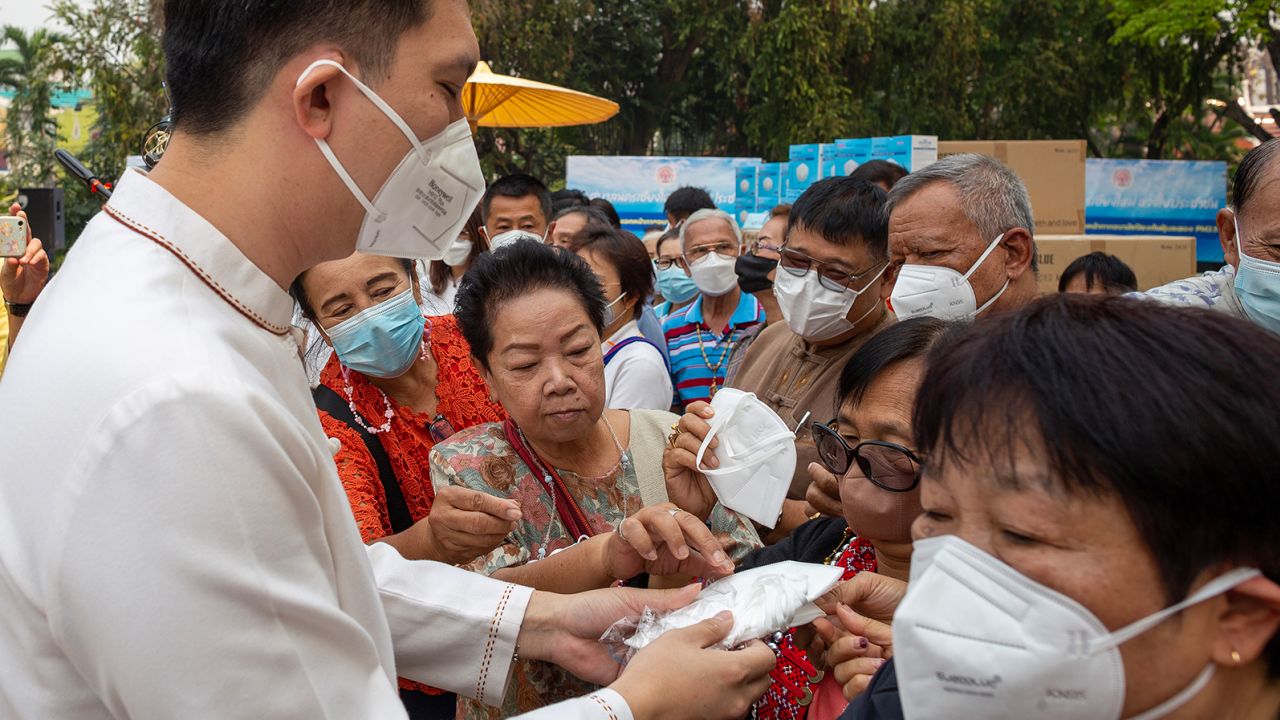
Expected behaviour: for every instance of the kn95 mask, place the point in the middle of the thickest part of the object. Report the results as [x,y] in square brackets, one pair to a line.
[757,454]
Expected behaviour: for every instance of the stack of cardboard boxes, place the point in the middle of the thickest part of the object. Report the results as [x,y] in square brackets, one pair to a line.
[1054,171]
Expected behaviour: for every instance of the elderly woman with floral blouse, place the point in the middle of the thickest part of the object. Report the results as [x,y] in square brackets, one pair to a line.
[533,316]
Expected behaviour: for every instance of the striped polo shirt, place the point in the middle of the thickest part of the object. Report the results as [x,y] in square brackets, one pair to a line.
[689,338]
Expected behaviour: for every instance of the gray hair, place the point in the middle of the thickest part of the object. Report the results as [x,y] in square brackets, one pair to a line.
[706,214]
[993,198]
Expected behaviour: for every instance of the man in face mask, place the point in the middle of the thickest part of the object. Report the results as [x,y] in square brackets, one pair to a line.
[1248,285]
[960,240]
[303,132]
[830,288]
[701,336]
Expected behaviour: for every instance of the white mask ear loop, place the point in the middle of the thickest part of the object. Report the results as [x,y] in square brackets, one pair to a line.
[764,442]
[1211,589]
[392,115]
[715,428]
[985,254]
[1181,698]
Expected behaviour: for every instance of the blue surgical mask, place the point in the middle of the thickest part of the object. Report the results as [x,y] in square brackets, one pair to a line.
[1257,286]
[675,285]
[381,341]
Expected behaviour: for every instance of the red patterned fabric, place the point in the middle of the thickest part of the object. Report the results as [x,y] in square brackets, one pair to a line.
[464,402]
[794,678]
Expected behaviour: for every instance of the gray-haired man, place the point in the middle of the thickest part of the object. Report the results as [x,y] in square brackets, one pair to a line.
[960,240]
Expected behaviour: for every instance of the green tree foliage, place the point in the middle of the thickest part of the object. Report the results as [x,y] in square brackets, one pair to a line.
[31,132]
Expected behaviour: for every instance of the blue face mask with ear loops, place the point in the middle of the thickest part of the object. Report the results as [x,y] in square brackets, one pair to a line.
[1257,287]
[381,341]
[675,285]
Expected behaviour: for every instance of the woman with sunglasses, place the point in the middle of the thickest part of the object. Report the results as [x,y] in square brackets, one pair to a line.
[868,448]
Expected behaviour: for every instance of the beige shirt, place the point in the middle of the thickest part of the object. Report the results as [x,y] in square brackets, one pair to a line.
[794,378]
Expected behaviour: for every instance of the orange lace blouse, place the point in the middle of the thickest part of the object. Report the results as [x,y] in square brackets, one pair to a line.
[463,400]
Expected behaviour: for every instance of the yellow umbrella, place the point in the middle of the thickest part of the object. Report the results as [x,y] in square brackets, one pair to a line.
[493,100]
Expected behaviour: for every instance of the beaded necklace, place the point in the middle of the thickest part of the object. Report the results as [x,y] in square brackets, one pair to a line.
[388,412]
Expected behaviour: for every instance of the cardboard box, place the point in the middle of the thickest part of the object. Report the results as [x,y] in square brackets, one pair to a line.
[744,198]
[769,186]
[850,153]
[1155,259]
[910,151]
[1053,171]
[802,171]
[828,154]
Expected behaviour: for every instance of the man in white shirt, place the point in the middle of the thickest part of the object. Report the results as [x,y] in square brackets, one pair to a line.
[174,540]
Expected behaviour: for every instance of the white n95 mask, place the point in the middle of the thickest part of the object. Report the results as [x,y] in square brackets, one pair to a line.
[714,274]
[940,292]
[511,237]
[814,311]
[425,202]
[458,253]
[757,454]
[974,638]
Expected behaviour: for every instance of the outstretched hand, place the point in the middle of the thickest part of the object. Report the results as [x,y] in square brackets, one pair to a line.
[22,278]
[665,540]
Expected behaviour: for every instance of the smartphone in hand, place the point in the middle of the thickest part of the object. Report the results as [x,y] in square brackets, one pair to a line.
[13,236]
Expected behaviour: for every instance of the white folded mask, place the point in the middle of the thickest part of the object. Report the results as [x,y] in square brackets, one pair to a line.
[757,454]
[763,600]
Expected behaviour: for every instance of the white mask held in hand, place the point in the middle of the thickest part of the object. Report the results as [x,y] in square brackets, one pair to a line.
[425,202]
[757,454]
[763,600]
[714,274]
[940,292]
[814,311]
[974,638]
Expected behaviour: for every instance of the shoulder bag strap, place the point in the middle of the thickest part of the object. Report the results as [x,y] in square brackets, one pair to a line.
[649,429]
[397,509]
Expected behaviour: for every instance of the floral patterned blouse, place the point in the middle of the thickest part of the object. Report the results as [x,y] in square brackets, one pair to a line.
[482,459]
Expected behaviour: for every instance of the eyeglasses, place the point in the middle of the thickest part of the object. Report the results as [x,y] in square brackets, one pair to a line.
[763,246]
[831,277]
[440,429]
[727,249]
[887,465]
[666,263]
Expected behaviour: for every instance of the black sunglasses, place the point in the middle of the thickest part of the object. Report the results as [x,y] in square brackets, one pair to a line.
[889,466]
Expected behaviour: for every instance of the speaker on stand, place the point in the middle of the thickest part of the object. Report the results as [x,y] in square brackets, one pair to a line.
[46,214]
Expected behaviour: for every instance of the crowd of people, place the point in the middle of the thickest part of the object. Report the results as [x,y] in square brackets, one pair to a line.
[293,480]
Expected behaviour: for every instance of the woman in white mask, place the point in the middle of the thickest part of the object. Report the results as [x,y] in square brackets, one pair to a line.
[868,447]
[442,276]
[635,372]
[1099,536]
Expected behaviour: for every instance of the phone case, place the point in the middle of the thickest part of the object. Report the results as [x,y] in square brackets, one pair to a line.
[13,236]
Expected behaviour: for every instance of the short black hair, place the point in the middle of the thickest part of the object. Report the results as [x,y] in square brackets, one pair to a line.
[686,201]
[567,198]
[606,207]
[515,271]
[627,255]
[844,211]
[1171,410]
[901,341]
[1099,268]
[879,171]
[221,56]
[1250,171]
[517,185]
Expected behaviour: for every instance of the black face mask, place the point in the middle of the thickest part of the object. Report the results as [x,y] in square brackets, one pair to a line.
[753,273]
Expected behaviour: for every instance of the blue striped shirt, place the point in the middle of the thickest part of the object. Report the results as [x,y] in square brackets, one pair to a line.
[688,338]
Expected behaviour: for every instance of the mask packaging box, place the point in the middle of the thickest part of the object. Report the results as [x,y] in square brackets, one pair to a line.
[910,151]
[850,153]
[827,153]
[769,186]
[744,199]
[1155,259]
[802,171]
[1053,170]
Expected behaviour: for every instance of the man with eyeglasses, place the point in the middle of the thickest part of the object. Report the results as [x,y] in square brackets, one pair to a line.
[701,336]
[830,288]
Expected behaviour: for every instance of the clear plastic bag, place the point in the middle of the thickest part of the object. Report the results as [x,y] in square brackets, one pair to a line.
[763,600]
